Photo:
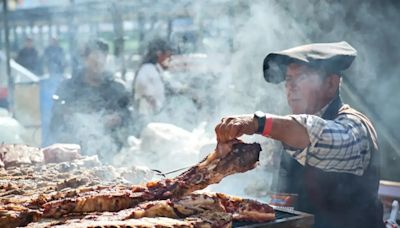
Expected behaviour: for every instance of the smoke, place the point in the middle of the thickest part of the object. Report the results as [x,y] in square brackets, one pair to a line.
[236,36]
[372,81]
[93,137]
[259,27]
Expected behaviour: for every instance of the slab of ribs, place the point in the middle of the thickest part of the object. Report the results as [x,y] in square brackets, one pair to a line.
[172,202]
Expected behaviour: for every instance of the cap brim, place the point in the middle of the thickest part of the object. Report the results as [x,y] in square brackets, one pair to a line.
[332,57]
[274,67]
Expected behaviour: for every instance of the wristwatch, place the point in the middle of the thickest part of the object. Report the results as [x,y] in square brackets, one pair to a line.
[260,117]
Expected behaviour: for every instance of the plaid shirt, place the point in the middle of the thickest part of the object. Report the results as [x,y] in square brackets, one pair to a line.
[339,145]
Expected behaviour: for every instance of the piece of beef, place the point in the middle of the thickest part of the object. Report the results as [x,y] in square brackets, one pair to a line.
[211,170]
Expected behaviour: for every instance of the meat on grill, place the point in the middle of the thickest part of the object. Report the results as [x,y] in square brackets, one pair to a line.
[177,208]
[142,206]
[211,170]
[194,210]
[204,220]
[196,203]
[15,215]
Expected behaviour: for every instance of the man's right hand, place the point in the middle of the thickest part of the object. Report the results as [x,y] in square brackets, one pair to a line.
[224,148]
[235,126]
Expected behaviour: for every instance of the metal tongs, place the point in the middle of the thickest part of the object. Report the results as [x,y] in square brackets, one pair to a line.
[159,173]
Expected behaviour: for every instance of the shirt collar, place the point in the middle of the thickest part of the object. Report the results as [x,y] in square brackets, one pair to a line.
[321,112]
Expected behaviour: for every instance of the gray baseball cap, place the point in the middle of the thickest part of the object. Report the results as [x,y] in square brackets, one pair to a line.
[332,57]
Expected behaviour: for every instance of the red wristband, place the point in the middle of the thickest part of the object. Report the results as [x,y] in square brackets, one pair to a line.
[267,126]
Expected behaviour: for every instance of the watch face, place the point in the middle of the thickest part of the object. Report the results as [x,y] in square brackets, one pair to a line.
[259,114]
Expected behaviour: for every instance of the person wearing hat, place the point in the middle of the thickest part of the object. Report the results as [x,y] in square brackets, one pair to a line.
[148,85]
[331,158]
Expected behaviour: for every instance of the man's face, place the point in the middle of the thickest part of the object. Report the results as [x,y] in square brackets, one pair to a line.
[96,61]
[306,90]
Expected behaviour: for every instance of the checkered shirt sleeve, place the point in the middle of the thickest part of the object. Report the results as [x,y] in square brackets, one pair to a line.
[339,145]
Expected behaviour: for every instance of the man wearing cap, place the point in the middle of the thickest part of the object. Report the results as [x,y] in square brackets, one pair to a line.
[331,155]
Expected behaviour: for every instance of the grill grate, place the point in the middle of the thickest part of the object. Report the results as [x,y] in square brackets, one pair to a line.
[284,218]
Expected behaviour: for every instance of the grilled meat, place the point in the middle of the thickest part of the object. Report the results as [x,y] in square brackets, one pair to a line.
[210,171]
[62,195]
[16,215]
[178,208]
[246,209]
[204,220]
[241,209]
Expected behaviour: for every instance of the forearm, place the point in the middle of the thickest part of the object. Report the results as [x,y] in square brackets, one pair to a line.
[289,131]
[284,129]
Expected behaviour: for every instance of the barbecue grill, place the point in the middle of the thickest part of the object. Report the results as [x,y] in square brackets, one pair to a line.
[285,218]
[27,190]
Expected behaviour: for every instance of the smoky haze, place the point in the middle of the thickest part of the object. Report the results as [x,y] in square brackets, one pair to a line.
[260,27]
[236,36]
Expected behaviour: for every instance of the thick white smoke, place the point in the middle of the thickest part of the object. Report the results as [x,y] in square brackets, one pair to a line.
[236,36]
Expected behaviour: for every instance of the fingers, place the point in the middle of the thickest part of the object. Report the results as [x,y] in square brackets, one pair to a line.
[229,128]
[220,130]
[224,148]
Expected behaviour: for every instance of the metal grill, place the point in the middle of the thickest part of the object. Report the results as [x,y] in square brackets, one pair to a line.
[284,218]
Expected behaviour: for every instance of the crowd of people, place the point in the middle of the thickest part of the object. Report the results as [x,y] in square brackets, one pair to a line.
[93,107]
[52,61]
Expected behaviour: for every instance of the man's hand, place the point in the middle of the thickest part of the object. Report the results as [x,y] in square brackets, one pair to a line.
[235,126]
[224,148]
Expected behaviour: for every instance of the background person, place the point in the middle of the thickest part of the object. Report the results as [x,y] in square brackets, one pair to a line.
[92,108]
[54,58]
[28,57]
[148,85]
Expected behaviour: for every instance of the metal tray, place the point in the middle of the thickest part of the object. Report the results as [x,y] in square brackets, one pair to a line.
[284,218]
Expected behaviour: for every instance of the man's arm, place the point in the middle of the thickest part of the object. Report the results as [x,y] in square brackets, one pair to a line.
[290,132]
[285,129]
[339,145]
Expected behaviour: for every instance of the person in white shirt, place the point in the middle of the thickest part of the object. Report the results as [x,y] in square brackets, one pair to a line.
[148,85]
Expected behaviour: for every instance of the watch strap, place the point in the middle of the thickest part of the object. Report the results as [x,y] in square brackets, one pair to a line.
[260,117]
